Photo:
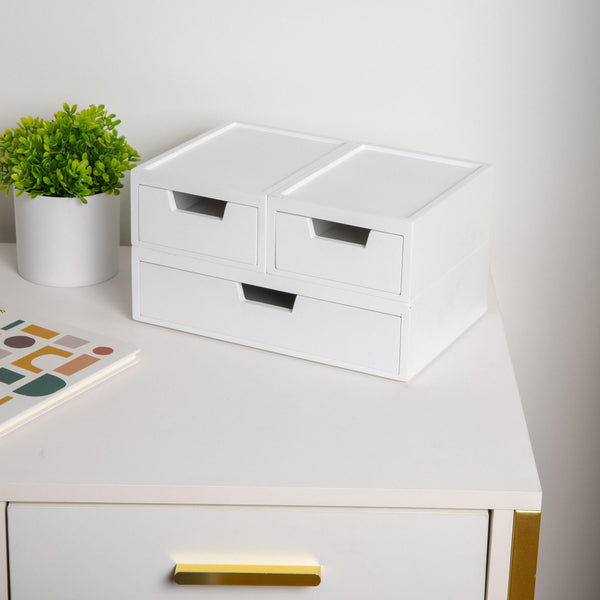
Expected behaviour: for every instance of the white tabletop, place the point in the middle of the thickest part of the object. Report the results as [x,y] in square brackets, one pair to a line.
[204,421]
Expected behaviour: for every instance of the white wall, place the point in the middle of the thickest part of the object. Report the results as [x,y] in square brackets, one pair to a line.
[514,83]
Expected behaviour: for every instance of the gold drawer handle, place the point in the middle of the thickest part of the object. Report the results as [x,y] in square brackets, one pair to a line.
[247,575]
[523,563]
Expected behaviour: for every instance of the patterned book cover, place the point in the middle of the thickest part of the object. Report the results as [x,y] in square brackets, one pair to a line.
[43,364]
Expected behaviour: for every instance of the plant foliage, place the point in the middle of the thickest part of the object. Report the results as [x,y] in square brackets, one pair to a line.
[78,154]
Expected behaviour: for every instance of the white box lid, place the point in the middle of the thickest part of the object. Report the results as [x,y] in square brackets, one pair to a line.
[237,162]
[375,182]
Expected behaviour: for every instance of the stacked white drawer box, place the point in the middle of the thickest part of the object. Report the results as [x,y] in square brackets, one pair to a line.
[364,257]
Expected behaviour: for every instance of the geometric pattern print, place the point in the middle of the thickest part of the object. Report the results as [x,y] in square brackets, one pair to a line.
[36,361]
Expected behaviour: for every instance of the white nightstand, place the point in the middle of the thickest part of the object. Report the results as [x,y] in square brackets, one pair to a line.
[210,453]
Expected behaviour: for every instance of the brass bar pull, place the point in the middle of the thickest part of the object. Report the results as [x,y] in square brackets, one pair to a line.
[247,575]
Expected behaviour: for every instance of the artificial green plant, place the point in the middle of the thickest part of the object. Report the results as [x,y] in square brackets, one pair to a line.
[77,154]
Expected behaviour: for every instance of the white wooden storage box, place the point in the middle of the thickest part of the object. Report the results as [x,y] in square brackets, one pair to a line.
[363,257]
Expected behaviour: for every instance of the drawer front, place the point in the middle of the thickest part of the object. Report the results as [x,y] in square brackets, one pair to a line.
[338,252]
[101,551]
[292,324]
[196,224]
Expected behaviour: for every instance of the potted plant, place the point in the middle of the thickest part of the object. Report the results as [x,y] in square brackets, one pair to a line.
[67,176]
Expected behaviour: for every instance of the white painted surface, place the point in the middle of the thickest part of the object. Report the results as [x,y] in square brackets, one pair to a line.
[450,230]
[499,554]
[323,331]
[376,265]
[444,310]
[63,242]
[232,237]
[203,421]
[362,553]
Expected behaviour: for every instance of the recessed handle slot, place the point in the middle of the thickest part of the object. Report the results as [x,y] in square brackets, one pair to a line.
[341,232]
[262,295]
[202,205]
[263,575]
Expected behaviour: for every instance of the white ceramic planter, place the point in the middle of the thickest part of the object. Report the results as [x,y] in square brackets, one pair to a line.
[63,242]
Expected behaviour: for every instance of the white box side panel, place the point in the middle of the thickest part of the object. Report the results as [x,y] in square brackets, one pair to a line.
[323,331]
[446,309]
[449,230]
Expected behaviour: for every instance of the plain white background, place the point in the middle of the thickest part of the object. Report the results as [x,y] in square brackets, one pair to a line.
[513,83]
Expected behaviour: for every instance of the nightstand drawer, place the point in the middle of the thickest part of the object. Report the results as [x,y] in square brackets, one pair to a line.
[197,224]
[101,551]
[338,252]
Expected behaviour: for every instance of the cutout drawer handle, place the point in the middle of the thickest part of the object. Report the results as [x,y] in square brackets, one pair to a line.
[200,205]
[268,297]
[263,575]
[340,232]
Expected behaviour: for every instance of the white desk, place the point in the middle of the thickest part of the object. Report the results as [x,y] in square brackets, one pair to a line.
[204,423]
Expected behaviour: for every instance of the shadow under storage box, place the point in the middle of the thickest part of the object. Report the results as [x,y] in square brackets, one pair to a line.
[364,257]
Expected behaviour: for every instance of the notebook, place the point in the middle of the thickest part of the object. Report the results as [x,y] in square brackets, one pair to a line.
[44,363]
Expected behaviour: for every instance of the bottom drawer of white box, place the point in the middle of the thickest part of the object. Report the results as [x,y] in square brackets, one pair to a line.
[311,328]
[71,552]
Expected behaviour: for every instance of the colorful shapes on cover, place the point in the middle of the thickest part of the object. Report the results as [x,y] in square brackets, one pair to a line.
[4,353]
[70,341]
[76,365]
[44,385]
[19,341]
[5,399]
[40,331]
[13,324]
[102,350]
[25,362]
[8,376]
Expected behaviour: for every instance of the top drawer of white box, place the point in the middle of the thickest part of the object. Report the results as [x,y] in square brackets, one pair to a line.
[204,196]
[379,220]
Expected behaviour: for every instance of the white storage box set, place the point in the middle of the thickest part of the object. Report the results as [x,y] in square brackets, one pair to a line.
[363,257]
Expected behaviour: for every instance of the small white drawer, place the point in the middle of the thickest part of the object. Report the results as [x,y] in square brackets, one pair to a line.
[206,226]
[69,552]
[338,252]
[270,319]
